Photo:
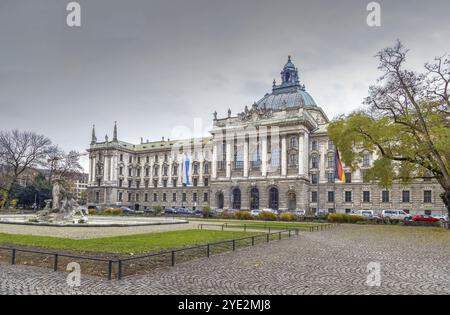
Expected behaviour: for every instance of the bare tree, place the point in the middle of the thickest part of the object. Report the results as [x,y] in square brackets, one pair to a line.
[63,165]
[20,151]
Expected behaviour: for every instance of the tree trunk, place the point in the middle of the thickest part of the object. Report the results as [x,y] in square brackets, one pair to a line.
[446,198]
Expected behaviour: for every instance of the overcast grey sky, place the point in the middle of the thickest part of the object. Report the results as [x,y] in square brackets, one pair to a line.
[152,65]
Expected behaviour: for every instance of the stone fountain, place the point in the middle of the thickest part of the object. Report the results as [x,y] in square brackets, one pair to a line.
[62,209]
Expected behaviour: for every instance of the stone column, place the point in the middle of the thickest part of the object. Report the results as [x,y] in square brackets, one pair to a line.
[214,162]
[201,165]
[228,162]
[180,171]
[306,154]
[91,170]
[323,160]
[264,155]
[301,153]
[170,183]
[246,157]
[283,156]
[161,164]
[106,169]
[152,164]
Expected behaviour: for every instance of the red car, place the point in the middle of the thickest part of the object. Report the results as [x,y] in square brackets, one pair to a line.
[424,218]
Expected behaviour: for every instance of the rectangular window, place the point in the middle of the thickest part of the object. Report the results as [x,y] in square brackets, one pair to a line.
[130,172]
[206,182]
[405,196]
[348,177]
[331,177]
[313,196]
[145,197]
[195,182]
[121,158]
[184,197]
[97,196]
[331,196]
[129,197]
[385,196]
[155,198]
[314,179]
[205,197]
[120,197]
[174,197]
[330,161]
[366,196]
[366,160]
[175,183]
[194,197]
[348,196]
[130,183]
[164,197]
[428,212]
[137,197]
[427,196]
[121,171]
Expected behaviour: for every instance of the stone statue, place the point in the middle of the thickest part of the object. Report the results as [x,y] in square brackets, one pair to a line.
[63,210]
[215,115]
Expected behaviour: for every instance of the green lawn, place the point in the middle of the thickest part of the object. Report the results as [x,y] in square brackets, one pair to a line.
[261,224]
[132,244]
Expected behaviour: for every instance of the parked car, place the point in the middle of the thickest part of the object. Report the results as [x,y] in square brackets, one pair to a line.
[395,215]
[255,212]
[127,210]
[299,213]
[442,218]
[424,218]
[170,211]
[149,210]
[198,211]
[369,214]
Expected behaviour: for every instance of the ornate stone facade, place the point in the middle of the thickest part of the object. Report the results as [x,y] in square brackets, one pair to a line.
[275,154]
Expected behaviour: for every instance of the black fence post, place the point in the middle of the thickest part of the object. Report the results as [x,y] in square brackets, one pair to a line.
[279,236]
[253,241]
[289,233]
[110,265]
[119,274]
[234,245]
[173,258]
[55,263]
[268,238]
[269,229]
[245,227]
[208,250]
[13,257]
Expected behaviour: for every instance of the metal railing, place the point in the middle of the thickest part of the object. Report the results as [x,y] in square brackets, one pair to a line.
[119,264]
[267,227]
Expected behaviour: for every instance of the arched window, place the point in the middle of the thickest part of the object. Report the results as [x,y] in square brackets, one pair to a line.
[273,198]
[254,199]
[314,146]
[276,157]
[206,168]
[156,170]
[237,199]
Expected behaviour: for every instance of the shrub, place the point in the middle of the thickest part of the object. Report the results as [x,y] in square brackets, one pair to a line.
[228,215]
[287,217]
[243,215]
[344,218]
[267,216]
[92,211]
[113,211]
[158,210]
[207,212]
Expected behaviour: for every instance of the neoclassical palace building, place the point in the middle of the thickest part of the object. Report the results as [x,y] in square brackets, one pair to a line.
[274,154]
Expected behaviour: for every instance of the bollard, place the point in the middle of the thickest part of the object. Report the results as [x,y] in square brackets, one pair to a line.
[119,273]
[208,250]
[55,263]
[13,258]
[234,245]
[110,266]
[253,241]
[173,258]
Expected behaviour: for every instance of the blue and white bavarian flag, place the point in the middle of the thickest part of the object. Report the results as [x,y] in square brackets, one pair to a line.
[186,181]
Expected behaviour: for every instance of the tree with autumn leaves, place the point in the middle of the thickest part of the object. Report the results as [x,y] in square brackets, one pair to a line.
[405,121]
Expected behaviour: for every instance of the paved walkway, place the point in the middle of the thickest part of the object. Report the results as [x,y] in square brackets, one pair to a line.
[413,261]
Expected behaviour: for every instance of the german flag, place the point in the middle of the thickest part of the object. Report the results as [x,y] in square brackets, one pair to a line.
[339,169]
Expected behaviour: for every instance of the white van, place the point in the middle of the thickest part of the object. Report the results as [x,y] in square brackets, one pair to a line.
[364,213]
[395,215]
